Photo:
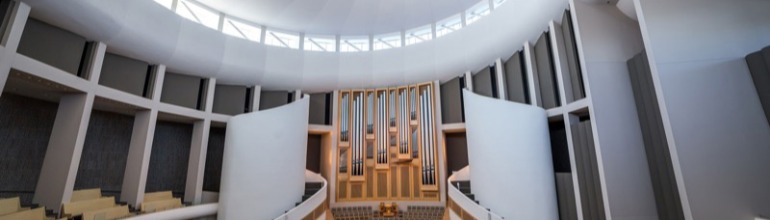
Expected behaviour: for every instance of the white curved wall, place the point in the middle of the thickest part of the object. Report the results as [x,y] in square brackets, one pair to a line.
[157,35]
[509,153]
[263,168]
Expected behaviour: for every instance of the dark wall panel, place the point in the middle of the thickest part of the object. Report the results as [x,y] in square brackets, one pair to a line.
[559,147]
[169,156]
[549,94]
[182,90]
[57,47]
[105,152]
[313,161]
[587,171]
[213,170]
[483,83]
[451,101]
[516,79]
[456,151]
[320,109]
[759,66]
[272,99]
[123,73]
[230,100]
[576,75]
[25,127]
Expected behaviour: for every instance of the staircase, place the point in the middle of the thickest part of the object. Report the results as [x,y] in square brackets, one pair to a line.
[465,187]
[310,189]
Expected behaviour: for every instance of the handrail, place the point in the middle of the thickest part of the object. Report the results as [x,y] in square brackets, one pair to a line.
[311,204]
[189,212]
[469,206]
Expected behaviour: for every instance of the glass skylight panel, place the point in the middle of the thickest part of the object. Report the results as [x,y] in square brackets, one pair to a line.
[448,25]
[476,12]
[499,2]
[354,44]
[419,35]
[242,30]
[387,41]
[282,39]
[197,13]
[165,3]
[326,44]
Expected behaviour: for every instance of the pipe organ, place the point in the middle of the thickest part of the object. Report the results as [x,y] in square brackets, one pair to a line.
[387,144]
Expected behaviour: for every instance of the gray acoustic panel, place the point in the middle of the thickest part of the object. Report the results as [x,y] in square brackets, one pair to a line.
[320,109]
[587,171]
[272,99]
[26,127]
[105,152]
[451,101]
[759,66]
[51,45]
[545,73]
[124,74]
[214,153]
[566,196]
[181,90]
[230,100]
[576,76]
[456,151]
[516,79]
[168,158]
[668,202]
[482,82]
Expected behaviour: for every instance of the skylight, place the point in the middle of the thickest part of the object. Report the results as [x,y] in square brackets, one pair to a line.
[449,25]
[198,13]
[325,44]
[418,35]
[476,12]
[387,41]
[354,44]
[165,3]
[240,29]
[499,2]
[279,39]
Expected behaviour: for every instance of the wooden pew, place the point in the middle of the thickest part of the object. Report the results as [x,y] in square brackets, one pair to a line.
[10,205]
[161,205]
[77,208]
[86,194]
[157,196]
[107,214]
[31,214]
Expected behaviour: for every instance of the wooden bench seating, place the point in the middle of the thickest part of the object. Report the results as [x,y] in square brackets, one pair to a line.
[161,205]
[77,208]
[107,214]
[31,214]
[86,194]
[157,196]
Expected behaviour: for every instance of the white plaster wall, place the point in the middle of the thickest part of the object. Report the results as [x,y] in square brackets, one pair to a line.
[712,114]
[609,39]
[509,153]
[263,169]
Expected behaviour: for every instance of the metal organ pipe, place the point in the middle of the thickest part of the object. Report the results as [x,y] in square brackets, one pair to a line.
[431,144]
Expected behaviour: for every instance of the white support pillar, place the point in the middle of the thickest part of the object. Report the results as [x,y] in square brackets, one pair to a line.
[200,141]
[569,120]
[560,63]
[500,76]
[65,146]
[138,161]
[10,39]
[469,80]
[255,98]
[532,83]
[94,66]
[297,95]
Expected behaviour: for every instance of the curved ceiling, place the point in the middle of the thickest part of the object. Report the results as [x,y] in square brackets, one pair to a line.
[345,17]
[144,30]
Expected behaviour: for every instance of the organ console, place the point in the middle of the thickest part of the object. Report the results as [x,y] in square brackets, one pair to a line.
[387,144]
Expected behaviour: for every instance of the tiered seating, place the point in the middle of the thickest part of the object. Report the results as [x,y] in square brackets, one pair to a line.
[10,208]
[89,204]
[423,213]
[352,213]
[159,201]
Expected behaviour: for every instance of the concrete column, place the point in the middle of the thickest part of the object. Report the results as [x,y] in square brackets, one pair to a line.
[500,75]
[157,87]
[94,66]
[62,157]
[468,80]
[138,161]
[200,141]
[532,83]
[255,98]
[297,95]
[561,65]
[10,39]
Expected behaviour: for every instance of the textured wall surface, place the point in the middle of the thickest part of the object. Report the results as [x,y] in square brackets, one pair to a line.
[213,170]
[169,156]
[229,99]
[51,45]
[124,74]
[25,126]
[105,151]
[272,99]
[181,90]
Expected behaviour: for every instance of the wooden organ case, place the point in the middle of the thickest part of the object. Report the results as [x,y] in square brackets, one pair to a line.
[387,144]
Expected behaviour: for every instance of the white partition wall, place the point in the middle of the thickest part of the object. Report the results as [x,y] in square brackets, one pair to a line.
[263,170]
[510,155]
